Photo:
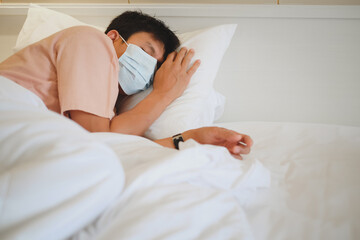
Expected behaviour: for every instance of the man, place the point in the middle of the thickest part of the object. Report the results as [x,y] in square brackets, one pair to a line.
[80,72]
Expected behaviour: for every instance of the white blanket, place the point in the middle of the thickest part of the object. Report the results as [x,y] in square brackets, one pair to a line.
[57,181]
[54,179]
[196,193]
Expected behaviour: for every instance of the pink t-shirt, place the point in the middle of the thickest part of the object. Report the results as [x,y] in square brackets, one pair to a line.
[74,69]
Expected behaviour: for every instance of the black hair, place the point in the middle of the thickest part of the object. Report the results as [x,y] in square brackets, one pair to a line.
[130,22]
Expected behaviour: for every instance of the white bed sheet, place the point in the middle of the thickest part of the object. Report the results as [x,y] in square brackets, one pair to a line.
[315,181]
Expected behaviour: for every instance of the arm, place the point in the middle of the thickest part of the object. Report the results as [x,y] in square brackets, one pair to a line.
[170,82]
[236,143]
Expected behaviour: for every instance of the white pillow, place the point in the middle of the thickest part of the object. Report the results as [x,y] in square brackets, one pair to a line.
[200,104]
[42,22]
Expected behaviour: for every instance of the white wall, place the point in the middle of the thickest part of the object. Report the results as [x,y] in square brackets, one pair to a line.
[302,70]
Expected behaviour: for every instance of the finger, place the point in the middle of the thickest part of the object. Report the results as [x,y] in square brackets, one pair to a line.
[180,55]
[237,156]
[243,149]
[243,138]
[246,140]
[186,61]
[194,67]
[233,136]
[235,149]
[171,57]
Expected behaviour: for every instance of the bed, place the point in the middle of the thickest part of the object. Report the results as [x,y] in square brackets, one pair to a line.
[287,76]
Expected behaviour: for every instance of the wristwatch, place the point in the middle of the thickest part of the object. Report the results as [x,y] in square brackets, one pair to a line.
[176,139]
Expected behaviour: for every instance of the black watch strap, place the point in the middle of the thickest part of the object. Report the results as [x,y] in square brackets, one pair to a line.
[176,139]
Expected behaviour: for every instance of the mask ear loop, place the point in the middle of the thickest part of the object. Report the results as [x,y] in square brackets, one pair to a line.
[124,40]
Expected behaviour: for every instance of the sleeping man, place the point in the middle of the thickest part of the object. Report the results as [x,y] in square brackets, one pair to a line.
[80,72]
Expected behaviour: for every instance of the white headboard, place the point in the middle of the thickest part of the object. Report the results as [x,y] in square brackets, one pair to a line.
[285,63]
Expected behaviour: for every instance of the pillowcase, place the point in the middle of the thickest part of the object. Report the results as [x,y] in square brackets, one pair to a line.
[42,22]
[199,106]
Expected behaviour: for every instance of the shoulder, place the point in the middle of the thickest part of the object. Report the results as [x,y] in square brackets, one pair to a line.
[84,29]
[84,39]
[82,32]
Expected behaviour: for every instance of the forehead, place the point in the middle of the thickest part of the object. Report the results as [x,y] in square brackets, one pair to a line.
[147,42]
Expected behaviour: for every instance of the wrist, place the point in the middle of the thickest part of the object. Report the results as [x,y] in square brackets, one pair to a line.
[163,96]
[189,134]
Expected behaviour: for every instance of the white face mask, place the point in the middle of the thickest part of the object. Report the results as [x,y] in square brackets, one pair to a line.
[136,69]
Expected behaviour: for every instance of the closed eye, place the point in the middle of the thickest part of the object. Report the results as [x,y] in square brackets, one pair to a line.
[146,51]
[152,50]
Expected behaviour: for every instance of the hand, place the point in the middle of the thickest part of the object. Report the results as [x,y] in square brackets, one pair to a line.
[235,142]
[173,76]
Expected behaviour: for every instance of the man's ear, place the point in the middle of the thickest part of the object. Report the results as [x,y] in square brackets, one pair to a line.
[113,35]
